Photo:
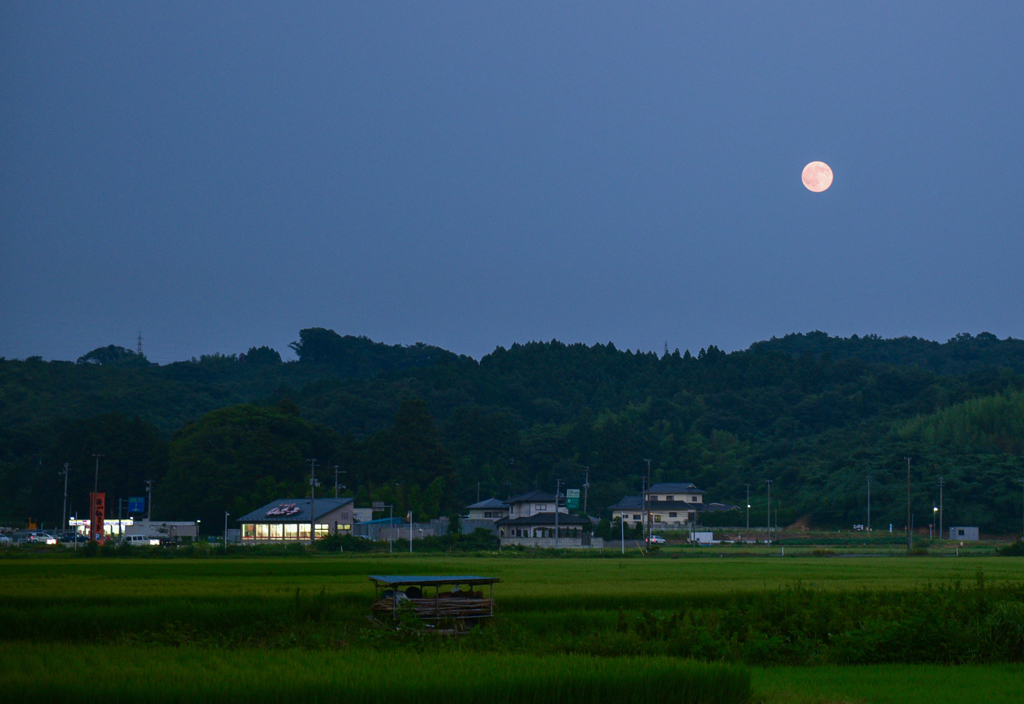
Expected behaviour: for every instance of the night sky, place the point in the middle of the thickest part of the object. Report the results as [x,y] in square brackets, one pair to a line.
[469,175]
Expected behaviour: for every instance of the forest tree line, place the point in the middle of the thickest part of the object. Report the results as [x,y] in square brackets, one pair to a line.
[429,431]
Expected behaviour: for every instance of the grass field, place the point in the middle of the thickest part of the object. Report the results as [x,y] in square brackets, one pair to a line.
[277,616]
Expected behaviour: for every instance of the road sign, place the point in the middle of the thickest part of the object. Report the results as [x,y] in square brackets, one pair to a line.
[572,498]
[137,504]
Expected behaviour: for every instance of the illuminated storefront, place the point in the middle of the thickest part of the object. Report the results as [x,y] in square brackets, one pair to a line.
[288,520]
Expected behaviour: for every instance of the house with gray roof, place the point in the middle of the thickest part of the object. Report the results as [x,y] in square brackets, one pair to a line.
[674,505]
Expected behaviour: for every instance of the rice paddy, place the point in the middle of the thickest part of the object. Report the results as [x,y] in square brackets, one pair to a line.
[603,629]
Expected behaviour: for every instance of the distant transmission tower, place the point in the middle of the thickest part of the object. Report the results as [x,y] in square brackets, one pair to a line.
[140,343]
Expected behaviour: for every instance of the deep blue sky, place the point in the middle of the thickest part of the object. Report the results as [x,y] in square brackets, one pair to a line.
[221,175]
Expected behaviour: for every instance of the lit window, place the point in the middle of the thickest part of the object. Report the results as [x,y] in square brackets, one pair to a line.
[657,518]
[276,531]
[291,531]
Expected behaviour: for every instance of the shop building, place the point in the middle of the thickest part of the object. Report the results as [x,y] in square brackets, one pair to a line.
[288,520]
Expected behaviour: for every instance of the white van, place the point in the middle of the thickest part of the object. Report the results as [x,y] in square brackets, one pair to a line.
[141,540]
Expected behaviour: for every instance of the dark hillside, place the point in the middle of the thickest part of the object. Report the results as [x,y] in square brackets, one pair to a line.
[813,413]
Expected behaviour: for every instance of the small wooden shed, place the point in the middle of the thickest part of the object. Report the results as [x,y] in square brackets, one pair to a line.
[457,598]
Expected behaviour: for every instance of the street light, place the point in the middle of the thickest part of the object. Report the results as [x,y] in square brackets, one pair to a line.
[226,514]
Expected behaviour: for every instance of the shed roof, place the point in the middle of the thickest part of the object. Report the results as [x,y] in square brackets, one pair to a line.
[402,580]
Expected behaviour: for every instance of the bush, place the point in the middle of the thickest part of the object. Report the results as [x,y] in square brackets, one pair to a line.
[1012,550]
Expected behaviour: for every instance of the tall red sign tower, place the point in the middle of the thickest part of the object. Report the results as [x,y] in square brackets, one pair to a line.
[97,511]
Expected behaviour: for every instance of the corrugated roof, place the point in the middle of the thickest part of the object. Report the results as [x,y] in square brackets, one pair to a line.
[402,580]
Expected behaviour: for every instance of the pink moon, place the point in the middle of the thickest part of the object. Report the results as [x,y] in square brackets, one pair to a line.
[817,176]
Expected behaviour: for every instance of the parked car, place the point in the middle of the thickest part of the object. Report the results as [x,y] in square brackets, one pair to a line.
[43,538]
[657,540]
[141,540]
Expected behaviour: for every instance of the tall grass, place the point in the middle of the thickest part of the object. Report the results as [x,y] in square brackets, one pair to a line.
[172,676]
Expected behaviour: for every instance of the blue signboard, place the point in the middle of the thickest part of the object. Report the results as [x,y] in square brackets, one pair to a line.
[137,504]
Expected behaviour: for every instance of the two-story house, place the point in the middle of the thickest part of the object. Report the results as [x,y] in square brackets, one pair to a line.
[532,521]
[673,505]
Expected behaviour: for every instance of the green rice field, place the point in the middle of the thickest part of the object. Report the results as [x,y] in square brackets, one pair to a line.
[814,630]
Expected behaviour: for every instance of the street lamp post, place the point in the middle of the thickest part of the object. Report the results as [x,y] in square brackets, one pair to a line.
[748,505]
[312,500]
[769,483]
[910,535]
[869,503]
[64,515]
[226,514]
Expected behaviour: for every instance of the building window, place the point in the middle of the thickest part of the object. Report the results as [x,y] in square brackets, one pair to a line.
[636,517]
[322,530]
[540,507]
[693,499]
[276,531]
[262,531]
[673,514]
[248,531]
[291,531]
[670,497]
[657,518]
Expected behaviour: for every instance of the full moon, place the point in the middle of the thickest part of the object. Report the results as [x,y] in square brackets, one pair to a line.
[817,176]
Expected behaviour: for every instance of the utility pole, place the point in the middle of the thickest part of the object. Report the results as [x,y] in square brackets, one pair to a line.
[748,505]
[64,519]
[312,500]
[769,483]
[643,503]
[149,503]
[1021,482]
[478,492]
[649,518]
[336,473]
[942,483]
[586,487]
[869,503]
[512,476]
[558,489]
[95,491]
[910,535]
[226,514]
